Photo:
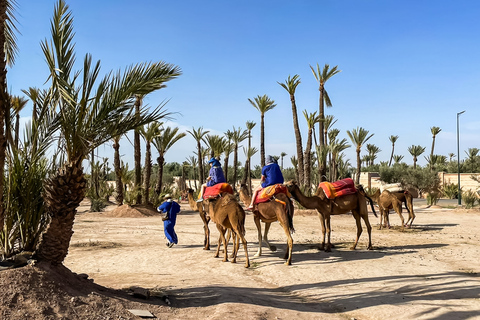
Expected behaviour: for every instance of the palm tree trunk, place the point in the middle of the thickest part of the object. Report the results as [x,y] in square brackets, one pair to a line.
[298,141]
[4,105]
[200,162]
[225,167]
[391,156]
[359,167]
[137,155]
[63,194]
[321,163]
[235,160]
[17,129]
[147,172]
[160,162]
[262,140]
[307,161]
[118,174]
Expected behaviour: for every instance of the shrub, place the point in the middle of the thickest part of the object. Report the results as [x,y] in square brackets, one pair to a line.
[450,190]
[469,197]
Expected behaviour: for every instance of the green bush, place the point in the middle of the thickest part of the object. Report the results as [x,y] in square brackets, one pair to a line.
[469,197]
[97,205]
[432,198]
[450,190]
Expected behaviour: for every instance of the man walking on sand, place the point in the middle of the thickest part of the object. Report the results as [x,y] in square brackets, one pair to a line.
[171,208]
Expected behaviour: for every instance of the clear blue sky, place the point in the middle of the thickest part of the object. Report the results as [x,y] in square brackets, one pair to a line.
[406,65]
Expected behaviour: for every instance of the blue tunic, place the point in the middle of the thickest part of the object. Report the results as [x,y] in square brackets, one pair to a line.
[217,176]
[171,208]
[273,174]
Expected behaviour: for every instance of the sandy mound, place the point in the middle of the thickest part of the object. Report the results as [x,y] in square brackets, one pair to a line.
[46,292]
[127,211]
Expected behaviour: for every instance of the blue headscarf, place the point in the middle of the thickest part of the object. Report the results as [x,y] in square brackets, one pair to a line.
[215,162]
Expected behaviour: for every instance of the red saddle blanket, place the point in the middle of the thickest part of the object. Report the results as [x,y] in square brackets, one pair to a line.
[338,188]
[267,193]
[214,191]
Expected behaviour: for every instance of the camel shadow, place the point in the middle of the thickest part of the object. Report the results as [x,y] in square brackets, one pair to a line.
[322,296]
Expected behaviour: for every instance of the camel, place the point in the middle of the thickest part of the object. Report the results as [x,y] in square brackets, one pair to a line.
[268,212]
[385,202]
[356,203]
[227,213]
[198,206]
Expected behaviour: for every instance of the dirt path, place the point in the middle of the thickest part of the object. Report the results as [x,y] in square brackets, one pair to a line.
[428,272]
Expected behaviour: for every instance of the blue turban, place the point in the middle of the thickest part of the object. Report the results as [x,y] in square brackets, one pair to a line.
[215,162]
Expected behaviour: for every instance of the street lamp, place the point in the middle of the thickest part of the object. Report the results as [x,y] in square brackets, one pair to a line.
[458,161]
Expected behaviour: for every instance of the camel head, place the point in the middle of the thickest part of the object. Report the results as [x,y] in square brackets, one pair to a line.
[291,185]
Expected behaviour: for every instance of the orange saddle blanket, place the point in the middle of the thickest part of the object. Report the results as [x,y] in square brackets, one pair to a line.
[338,188]
[214,191]
[267,193]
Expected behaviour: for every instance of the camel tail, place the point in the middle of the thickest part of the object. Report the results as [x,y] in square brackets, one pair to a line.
[241,223]
[290,216]
[362,191]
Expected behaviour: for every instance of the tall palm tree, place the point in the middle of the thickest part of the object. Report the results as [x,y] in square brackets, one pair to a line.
[322,76]
[336,148]
[359,136]
[227,148]
[450,156]
[7,57]
[416,151]
[237,136]
[249,153]
[249,125]
[18,103]
[198,135]
[149,133]
[291,85]
[434,131]
[163,142]
[192,161]
[88,113]
[392,139]
[282,154]
[472,155]
[294,162]
[311,119]
[262,104]
[119,185]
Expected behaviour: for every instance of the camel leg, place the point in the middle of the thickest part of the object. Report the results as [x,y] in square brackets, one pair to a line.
[383,219]
[244,241]
[206,230]
[322,223]
[224,241]
[259,232]
[265,237]
[356,215]
[283,220]
[411,215]
[369,230]
[399,212]
[328,247]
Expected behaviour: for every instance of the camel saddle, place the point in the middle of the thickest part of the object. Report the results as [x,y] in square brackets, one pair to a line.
[338,188]
[267,193]
[216,190]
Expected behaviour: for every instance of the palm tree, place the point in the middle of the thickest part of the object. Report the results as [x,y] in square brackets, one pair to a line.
[87,117]
[250,125]
[18,103]
[119,185]
[149,133]
[416,151]
[294,162]
[198,136]
[397,159]
[434,131]
[472,154]
[282,154]
[450,156]
[262,104]
[249,153]
[312,119]
[227,150]
[392,139]
[237,136]
[291,85]
[7,57]
[336,148]
[373,150]
[215,144]
[34,95]
[192,161]
[358,137]
[163,142]
[322,76]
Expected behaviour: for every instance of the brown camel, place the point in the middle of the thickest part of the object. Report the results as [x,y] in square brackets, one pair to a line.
[227,213]
[356,203]
[268,212]
[198,206]
[384,201]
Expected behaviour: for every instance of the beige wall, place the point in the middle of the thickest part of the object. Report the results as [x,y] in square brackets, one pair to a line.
[372,180]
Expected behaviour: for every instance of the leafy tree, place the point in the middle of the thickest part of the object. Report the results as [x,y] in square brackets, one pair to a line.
[392,139]
[149,133]
[290,86]
[359,137]
[434,131]
[416,151]
[262,104]
[322,76]
[198,135]
[86,117]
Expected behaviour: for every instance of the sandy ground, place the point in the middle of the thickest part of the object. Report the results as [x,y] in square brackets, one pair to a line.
[428,272]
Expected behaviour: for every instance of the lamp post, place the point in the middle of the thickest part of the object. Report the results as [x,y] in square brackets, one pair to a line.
[458,160]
